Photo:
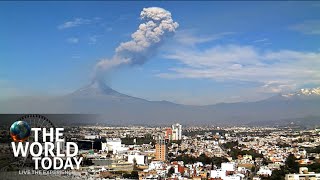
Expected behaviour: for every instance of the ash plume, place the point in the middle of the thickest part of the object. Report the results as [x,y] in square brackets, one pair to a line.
[157,26]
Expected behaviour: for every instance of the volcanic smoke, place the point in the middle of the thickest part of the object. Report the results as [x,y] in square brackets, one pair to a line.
[157,26]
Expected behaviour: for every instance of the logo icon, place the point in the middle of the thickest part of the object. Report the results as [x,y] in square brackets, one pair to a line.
[20,131]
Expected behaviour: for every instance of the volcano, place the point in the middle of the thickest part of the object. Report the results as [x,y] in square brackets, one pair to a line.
[97,88]
[116,108]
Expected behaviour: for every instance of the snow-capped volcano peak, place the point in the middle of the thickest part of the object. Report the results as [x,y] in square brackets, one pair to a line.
[312,91]
[304,92]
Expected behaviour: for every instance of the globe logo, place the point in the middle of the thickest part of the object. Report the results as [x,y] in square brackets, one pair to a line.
[20,131]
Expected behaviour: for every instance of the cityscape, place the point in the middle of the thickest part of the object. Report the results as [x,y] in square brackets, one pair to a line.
[178,152]
[168,90]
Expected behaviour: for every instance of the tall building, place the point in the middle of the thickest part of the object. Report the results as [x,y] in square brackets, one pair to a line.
[161,150]
[176,132]
[168,134]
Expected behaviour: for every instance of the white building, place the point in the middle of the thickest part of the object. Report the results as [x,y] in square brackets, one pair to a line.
[176,132]
[156,165]
[92,137]
[218,173]
[140,159]
[264,171]
[222,174]
[303,175]
[112,144]
[234,177]
[228,166]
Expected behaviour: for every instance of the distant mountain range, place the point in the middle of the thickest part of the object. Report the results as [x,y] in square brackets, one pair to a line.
[117,108]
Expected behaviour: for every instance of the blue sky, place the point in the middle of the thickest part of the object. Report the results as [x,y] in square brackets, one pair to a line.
[221,51]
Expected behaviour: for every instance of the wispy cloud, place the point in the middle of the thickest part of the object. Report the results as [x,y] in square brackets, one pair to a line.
[274,70]
[75,57]
[261,40]
[310,27]
[93,39]
[189,39]
[77,22]
[73,40]
[124,17]
[276,87]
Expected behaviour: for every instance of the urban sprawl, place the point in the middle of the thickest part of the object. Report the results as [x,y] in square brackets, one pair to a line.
[178,152]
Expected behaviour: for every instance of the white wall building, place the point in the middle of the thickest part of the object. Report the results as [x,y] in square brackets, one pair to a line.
[140,159]
[218,173]
[264,171]
[222,174]
[156,165]
[113,144]
[234,177]
[92,137]
[228,166]
[304,174]
[176,132]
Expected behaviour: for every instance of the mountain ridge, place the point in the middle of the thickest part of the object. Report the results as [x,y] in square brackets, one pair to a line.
[99,88]
[118,108]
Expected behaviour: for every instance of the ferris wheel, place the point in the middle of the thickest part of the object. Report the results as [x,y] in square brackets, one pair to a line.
[34,121]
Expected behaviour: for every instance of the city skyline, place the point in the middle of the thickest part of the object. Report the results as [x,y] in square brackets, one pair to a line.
[221,52]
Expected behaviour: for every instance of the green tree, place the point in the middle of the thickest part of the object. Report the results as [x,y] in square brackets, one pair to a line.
[134,175]
[278,174]
[315,167]
[170,171]
[291,164]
